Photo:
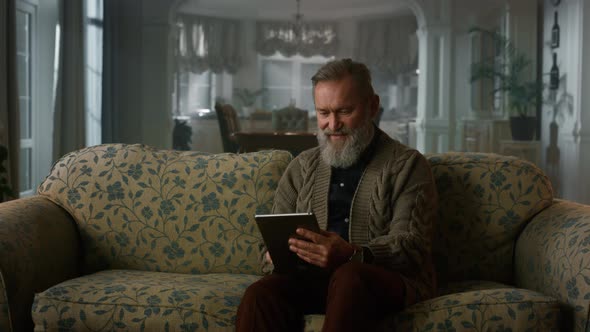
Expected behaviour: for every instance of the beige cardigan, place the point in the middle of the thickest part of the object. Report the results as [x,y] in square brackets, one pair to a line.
[393,210]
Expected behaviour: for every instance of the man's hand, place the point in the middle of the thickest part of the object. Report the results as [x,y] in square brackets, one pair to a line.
[326,249]
[267,257]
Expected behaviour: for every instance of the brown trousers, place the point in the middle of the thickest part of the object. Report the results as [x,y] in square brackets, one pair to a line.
[355,297]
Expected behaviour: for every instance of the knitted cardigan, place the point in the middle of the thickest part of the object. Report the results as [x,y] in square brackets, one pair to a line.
[393,211]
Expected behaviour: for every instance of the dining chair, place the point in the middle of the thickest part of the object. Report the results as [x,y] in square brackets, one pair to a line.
[290,119]
[228,124]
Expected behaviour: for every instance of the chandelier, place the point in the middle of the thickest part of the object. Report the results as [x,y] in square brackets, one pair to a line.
[298,24]
[296,36]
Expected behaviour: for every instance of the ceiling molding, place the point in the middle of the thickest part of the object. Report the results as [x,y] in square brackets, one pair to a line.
[255,12]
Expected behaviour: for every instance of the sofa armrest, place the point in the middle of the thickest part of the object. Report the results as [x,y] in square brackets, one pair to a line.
[553,257]
[39,246]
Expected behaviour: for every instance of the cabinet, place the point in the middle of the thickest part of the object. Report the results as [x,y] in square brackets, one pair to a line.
[527,150]
[483,135]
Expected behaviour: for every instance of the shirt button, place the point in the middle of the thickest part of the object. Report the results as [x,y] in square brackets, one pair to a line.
[341,185]
[345,219]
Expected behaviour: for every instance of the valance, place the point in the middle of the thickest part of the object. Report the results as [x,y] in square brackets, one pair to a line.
[307,39]
[208,43]
[389,45]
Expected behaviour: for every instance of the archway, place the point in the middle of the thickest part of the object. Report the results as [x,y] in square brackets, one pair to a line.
[435,125]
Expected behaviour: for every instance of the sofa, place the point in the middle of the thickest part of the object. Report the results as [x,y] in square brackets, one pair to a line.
[126,237]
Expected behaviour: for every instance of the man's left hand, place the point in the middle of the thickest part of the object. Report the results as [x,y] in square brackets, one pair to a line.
[324,249]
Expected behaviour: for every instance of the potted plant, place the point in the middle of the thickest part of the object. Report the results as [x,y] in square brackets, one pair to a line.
[507,70]
[247,98]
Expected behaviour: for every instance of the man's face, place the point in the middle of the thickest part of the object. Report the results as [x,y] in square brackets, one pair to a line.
[344,120]
[339,105]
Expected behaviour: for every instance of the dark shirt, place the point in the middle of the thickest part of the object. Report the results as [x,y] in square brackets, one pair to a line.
[342,188]
[343,184]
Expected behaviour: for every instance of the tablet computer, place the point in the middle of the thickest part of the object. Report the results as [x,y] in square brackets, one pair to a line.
[276,229]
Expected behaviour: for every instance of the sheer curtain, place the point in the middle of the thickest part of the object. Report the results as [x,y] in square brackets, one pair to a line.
[388,45]
[208,43]
[309,39]
[69,132]
[9,116]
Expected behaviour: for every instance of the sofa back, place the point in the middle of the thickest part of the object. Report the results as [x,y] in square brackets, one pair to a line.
[485,202]
[155,210]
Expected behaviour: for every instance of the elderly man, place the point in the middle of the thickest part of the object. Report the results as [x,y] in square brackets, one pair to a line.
[375,200]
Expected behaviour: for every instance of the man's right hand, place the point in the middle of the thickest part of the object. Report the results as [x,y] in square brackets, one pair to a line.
[267,257]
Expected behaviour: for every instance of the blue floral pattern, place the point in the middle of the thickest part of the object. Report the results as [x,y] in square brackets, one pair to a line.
[495,309]
[142,301]
[185,212]
[552,257]
[485,202]
[38,246]
[173,238]
[472,306]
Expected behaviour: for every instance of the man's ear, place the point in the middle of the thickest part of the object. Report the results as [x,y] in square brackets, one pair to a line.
[374,105]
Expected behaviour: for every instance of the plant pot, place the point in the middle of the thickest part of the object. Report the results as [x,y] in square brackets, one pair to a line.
[523,127]
[247,111]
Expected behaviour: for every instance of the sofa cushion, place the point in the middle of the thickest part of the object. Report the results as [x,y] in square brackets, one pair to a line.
[156,210]
[486,200]
[472,306]
[136,300]
[496,309]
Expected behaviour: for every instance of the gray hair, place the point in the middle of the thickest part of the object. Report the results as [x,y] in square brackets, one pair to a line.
[338,69]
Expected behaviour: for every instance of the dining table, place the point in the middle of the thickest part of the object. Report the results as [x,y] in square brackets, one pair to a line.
[293,141]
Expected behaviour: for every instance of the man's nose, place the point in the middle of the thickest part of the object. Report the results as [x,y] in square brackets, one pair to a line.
[334,122]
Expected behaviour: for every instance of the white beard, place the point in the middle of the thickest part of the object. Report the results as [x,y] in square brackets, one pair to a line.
[344,155]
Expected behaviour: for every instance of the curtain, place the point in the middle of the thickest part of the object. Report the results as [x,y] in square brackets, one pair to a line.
[122,106]
[388,45]
[110,127]
[207,43]
[9,116]
[69,131]
[307,39]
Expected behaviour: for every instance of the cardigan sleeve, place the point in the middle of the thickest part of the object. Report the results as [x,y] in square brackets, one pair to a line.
[406,243]
[285,200]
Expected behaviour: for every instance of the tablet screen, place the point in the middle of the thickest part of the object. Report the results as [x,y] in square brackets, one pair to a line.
[276,229]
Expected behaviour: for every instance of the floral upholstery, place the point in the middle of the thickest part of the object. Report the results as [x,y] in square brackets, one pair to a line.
[184,212]
[552,258]
[485,202]
[39,248]
[472,306]
[498,309]
[147,301]
[165,241]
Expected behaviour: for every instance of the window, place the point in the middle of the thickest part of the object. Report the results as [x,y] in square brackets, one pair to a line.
[398,95]
[196,92]
[288,81]
[25,37]
[94,32]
